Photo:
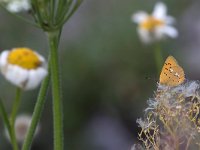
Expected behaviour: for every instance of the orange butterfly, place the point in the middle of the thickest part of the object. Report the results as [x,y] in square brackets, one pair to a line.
[172,74]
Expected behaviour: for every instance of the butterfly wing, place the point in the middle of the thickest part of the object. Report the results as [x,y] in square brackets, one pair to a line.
[172,74]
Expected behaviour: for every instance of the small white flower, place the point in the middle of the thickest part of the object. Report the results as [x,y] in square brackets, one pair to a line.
[22,124]
[23,67]
[16,6]
[155,27]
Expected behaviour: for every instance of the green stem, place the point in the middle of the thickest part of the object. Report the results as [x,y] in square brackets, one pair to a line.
[54,37]
[15,108]
[66,15]
[36,113]
[6,122]
[52,6]
[13,138]
[158,57]
[4,116]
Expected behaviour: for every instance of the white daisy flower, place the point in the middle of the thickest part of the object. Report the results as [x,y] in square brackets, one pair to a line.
[155,27]
[22,124]
[16,6]
[23,67]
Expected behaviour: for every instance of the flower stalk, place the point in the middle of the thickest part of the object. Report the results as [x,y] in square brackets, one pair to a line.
[10,130]
[15,108]
[37,112]
[53,38]
[158,57]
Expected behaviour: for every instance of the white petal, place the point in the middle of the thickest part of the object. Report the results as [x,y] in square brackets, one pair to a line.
[170,31]
[145,36]
[16,75]
[170,20]
[3,58]
[159,33]
[35,77]
[160,10]
[139,17]
[41,58]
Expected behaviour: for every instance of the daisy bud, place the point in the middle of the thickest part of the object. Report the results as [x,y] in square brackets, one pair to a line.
[22,124]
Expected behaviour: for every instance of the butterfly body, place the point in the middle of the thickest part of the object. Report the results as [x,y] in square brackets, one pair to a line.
[171,74]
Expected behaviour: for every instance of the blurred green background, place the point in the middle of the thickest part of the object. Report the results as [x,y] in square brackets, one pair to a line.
[107,73]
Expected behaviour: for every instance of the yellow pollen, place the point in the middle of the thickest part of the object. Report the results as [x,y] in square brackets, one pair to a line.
[24,57]
[151,23]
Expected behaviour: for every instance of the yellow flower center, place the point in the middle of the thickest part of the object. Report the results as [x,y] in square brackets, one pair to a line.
[151,23]
[24,57]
